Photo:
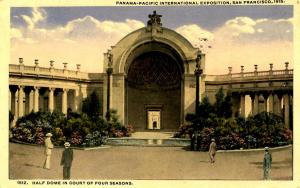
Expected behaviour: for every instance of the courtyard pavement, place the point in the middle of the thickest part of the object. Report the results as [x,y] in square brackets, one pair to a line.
[136,163]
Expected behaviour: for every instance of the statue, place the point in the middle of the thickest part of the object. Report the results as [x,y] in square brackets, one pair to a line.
[154,19]
[110,58]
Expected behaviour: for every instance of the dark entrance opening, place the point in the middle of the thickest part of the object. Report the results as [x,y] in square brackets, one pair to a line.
[154,79]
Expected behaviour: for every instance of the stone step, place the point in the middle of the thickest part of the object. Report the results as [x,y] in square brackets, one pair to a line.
[152,135]
[128,141]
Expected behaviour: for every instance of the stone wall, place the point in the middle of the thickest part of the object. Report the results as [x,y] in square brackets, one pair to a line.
[168,100]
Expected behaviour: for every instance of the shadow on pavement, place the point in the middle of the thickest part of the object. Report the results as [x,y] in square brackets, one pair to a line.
[31,165]
[186,148]
[275,164]
[15,153]
[204,161]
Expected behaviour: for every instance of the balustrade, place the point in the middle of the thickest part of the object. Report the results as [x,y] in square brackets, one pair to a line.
[250,75]
[44,70]
[50,71]
[28,68]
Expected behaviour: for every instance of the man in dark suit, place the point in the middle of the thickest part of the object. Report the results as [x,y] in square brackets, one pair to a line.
[267,164]
[66,161]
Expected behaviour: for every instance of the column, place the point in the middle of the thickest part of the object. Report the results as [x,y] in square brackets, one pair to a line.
[20,101]
[36,99]
[109,89]
[271,103]
[252,104]
[262,103]
[76,100]
[265,102]
[64,101]
[198,71]
[83,95]
[27,100]
[242,105]
[9,99]
[51,100]
[275,104]
[15,105]
[31,101]
[286,99]
[279,105]
[255,104]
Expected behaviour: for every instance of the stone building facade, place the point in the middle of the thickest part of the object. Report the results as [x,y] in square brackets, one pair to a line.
[150,80]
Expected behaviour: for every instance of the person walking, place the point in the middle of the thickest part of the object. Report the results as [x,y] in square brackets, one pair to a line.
[198,145]
[267,164]
[66,161]
[212,150]
[48,150]
[193,141]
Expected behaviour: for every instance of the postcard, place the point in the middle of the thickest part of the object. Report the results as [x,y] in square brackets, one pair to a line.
[149,93]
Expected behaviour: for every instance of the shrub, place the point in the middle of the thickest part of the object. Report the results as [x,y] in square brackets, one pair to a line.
[76,138]
[264,129]
[94,139]
[58,136]
[185,131]
[206,134]
[39,136]
[79,129]
[129,130]
[116,128]
[91,105]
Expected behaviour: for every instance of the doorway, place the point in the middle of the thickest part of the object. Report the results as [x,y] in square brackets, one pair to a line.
[154,119]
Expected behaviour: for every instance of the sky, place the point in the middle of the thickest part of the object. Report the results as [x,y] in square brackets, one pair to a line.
[237,35]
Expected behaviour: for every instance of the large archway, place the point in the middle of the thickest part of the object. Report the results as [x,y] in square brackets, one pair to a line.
[154,91]
[150,78]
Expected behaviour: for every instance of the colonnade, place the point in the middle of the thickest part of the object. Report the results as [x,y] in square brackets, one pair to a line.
[279,103]
[25,99]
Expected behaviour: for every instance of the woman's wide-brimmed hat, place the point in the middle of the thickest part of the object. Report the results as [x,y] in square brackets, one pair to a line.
[213,140]
[67,144]
[48,134]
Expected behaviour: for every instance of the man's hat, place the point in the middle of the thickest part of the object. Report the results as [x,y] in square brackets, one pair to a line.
[213,140]
[67,144]
[266,148]
[48,134]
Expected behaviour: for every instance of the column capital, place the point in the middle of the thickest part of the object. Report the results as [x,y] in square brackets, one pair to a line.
[36,87]
[109,71]
[65,89]
[252,95]
[198,72]
[51,88]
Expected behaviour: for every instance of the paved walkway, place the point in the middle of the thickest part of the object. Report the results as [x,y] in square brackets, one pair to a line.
[128,162]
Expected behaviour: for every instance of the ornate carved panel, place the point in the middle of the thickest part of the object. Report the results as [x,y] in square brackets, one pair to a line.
[154,70]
